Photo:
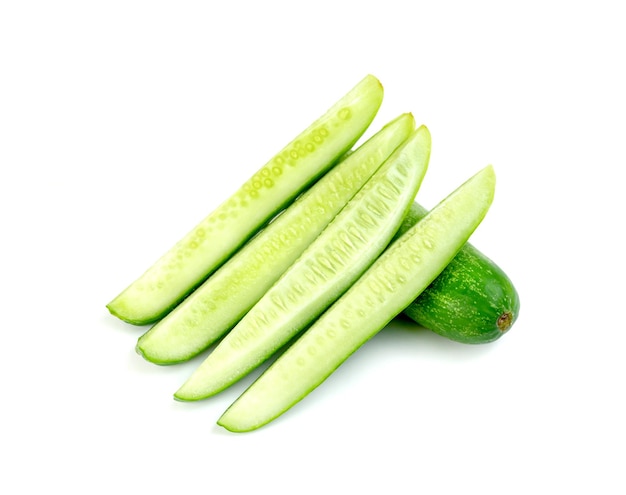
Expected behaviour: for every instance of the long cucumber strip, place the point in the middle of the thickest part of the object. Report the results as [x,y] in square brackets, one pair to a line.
[341,253]
[222,300]
[216,237]
[391,283]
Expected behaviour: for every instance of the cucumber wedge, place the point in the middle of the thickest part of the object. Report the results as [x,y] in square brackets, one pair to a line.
[404,270]
[472,301]
[342,252]
[216,237]
[222,300]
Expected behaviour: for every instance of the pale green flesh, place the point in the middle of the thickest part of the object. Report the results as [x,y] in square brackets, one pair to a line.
[216,237]
[342,252]
[405,269]
[214,307]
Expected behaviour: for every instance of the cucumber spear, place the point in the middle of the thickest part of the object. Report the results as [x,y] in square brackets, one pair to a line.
[217,237]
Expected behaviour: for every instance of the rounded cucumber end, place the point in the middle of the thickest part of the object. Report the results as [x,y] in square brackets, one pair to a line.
[371,88]
[145,354]
[229,427]
[118,308]
[371,79]
[188,393]
[181,398]
[505,321]
[508,317]
[183,394]
[151,353]
[236,424]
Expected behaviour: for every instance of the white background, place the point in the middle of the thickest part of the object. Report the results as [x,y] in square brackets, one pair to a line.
[123,123]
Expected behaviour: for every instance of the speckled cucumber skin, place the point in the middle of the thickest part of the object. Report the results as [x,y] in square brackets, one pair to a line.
[179,271]
[472,301]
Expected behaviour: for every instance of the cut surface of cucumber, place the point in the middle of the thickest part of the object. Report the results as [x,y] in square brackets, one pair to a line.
[224,298]
[405,269]
[472,301]
[341,253]
[215,238]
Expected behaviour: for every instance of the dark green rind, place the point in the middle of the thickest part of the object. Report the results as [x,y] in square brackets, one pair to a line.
[472,301]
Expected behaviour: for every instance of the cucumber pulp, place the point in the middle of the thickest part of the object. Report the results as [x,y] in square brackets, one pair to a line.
[405,269]
[214,239]
[472,301]
[222,300]
[341,253]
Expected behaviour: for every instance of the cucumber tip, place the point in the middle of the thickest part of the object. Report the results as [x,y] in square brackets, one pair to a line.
[505,321]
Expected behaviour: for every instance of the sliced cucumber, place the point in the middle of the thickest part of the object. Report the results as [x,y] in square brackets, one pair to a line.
[212,241]
[404,270]
[342,252]
[221,301]
[472,301]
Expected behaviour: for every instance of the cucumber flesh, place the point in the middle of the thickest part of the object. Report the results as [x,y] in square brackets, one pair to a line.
[342,252]
[223,299]
[472,301]
[404,270]
[216,237]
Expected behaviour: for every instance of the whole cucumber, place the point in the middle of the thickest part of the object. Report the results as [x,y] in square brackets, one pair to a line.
[472,301]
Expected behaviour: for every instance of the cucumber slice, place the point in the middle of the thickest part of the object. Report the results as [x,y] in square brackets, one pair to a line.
[472,301]
[385,289]
[342,252]
[216,237]
[222,300]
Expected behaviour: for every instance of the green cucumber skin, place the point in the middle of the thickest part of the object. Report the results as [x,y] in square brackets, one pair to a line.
[179,271]
[473,301]
[224,298]
[342,252]
[405,269]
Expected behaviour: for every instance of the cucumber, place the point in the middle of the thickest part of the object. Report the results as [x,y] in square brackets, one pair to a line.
[222,300]
[342,252]
[472,301]
[215,238]
[405,269]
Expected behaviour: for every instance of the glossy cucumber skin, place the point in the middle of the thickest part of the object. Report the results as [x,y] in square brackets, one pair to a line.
[472,301]
[210,243]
